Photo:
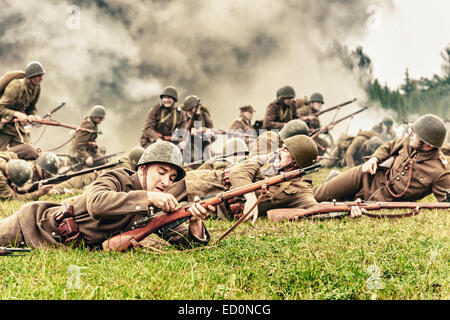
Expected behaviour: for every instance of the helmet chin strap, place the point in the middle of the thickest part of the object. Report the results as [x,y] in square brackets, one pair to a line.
[289,166]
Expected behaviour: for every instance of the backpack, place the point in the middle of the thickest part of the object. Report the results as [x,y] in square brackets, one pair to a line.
[8,77]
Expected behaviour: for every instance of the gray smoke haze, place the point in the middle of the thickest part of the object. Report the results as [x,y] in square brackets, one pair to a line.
[229,53]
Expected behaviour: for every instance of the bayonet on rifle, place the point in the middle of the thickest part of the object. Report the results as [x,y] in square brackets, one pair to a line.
[49,114]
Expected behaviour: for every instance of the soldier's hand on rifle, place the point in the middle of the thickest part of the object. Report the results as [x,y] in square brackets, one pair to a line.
[165,201]
[44,189]
[356,211]
[198,212]
[22,117]
[89,161]
[250,200]
[370,166]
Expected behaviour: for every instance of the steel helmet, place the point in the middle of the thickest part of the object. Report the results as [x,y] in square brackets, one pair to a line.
[294,127]
[286,92]
[430,129]
[49,162]
[171,92]
[303,150]
[98,111]
[34,68]
[19,171]
[163,152]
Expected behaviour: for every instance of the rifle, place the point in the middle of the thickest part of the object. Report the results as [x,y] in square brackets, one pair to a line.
[333,123]
[59,124]
[6,251]
[278,215]
[229,132]
[160,222]
[66,176]
[81,164]
[318,113]
[49,114]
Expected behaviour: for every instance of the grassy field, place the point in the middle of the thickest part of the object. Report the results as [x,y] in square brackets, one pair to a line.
[335,259]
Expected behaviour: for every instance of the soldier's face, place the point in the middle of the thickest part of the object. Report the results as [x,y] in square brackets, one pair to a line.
[160,177]
[248,115]
[167,101]
[284,158]
[97,119]
[288,101]
[316,105]
[36,80]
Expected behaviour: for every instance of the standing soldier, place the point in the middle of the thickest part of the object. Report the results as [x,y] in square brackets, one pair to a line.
[84,147]
[401,170]
[19,93]
[282,110]
[199,132]
[243,124]
[163,118]
[306,113]
[385,129]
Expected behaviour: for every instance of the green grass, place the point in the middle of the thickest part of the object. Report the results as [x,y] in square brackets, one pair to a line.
[332,259]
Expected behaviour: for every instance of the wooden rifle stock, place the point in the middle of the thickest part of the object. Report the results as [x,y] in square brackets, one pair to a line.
[278,215]
[125,240]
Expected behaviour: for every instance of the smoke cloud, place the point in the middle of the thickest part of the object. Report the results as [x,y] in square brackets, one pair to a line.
[122,54]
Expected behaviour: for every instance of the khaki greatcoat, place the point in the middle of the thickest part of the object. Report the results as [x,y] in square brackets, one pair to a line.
[18,96]
[107,207]
[430,174]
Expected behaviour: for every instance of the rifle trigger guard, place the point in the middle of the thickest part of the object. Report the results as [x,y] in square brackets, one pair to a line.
[264,189]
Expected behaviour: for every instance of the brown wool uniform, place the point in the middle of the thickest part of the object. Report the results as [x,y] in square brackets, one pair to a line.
[295,193]
[107,207]
[430,174]
[205,121]
[278,114]
[351,150]
[6,190]
[84,145]
[18,96]
[314,124]
[161,121]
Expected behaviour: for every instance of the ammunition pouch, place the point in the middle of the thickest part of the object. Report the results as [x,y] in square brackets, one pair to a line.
[67,227]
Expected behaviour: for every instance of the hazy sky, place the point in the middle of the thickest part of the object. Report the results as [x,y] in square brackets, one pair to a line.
[121,54]
[410,35]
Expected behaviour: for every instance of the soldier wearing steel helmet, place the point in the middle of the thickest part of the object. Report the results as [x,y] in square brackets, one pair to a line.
[306,113]
[235,150]
[281,110]
[84,146]
[110,205]
[351,151]
[385,129]
[270,140]
[163,118]
[405,169]
[14,174]
[199,133]
[19,94]
[298,151]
